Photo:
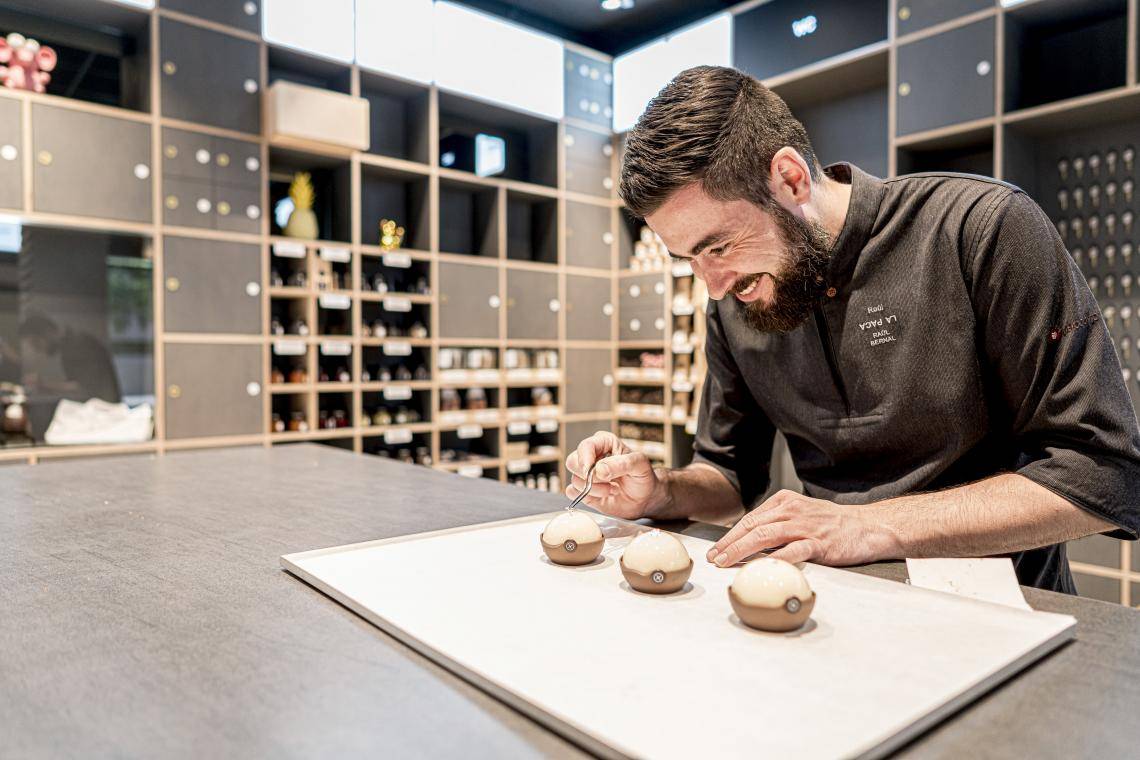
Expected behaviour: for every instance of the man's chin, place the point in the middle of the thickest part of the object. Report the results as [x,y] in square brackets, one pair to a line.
[767,318]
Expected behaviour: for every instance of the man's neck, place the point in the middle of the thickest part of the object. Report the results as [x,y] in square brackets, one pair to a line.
[831,200]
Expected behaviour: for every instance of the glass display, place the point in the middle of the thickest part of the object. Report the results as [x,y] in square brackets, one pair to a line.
[76,337]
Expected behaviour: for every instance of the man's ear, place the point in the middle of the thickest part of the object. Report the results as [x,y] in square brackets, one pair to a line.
[790,181]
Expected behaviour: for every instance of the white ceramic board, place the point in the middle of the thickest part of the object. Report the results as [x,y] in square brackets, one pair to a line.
[624,673]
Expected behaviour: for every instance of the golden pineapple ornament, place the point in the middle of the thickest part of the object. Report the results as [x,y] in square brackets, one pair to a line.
[303,220]
[391,236]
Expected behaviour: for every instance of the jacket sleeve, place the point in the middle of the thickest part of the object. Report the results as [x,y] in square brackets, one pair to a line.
[1052,364]
[733,433]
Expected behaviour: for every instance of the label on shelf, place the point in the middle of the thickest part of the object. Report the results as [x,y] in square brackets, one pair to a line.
[334,301]
[397,348]
[397,303]
[682,269]
[486,375]
[682,386]
[682,349]
[691,426]
[518,428]
[289,347]
[335,253]
[487,415]
[547,426]
[397,393]
[547,411]
[396,436]
[520,374]
[516,466]
[547,374]
[682,309]
[289,250]
[335,348]
[546,451]
[449,418]
[470,471]
[469,431]
[453,375]
[397,260]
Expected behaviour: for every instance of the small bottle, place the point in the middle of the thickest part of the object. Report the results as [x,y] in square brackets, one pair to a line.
[278,423]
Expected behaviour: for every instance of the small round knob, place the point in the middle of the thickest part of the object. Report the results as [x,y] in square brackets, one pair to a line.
[495,302]
[44,157]
[172,202]
[142,171]
[554,305]
[170,151]
[904,12]
[173,284]
[9,152]
[904,89]
[253,388]
[608,309]
[252,289]
[223,159]
[169,68]
[607,380]
[249,86]
[607,237]
[983,68]
[174,391]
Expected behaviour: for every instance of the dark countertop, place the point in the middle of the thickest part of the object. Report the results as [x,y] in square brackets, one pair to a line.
[144,613]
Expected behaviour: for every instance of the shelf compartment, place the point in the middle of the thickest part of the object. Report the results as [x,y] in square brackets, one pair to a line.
[395,317]
[295,66]
[1043,39]
[289,317]
[532,228]
[399,117]
[334,411]
[970,151]
[396,195]
[395,361]
[530,147]
[289,363]
[468,218]
[401,443]
[395,405]
[470,441]
[378,279]
[103,54]
[290,413]
[332,180]
[334,362]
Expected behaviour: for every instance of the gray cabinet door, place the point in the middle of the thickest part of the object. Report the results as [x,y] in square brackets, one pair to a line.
[469,301]
[919,14]
[576,432]
[188,203]
[11,155]
[589,380]
[242,14]
[946,79]
[641,307]
[588,236]
[237,209]
[589,308]
[212,286]
[210,78]
[588,88]
[90,165]
[588,161]
[213,390]
[211,182]
[532,305]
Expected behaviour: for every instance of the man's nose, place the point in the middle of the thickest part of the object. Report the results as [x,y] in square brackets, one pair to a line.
[719,281]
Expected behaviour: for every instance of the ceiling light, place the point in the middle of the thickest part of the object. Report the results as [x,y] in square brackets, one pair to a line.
[615,5]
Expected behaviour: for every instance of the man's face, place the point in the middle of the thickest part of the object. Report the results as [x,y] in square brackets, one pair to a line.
[771,260]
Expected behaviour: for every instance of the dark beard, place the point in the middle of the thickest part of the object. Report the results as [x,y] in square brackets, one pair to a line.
[807,250]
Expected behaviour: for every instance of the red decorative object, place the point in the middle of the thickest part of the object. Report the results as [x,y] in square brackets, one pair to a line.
[26,63]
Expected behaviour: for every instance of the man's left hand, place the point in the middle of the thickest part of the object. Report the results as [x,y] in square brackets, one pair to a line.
[808,529]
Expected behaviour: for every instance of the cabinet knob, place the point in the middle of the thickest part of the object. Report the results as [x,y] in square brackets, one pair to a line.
[253,212]
[983,68]
[169,68]
[607,380]
[607,150]
[174,391]
[443,298]
[249,86]
[568,141]
[142,171]
[904,89]
[608,183]
[223,159]
[172,202]
[202,156]
[511,303]
[554,305]
[659,287]
[635,325]
[634,291]
[904,12]
[608,309]
[659,323]
[203,205]
[170,151]
[250,9]
[607,238]
[44,157]
[253,388]
[495,302]
[252,163]
[252,289]
[8,152]
[223,208]
[173,284]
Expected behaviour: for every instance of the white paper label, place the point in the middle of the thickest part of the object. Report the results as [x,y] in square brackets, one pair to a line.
[397,303]
[547,426]
[515,466]
[470,471]
[518,428]
[288,250]
[397,436]
[682,269]
[547,374]
[289,347]
[334,301]
[397,393]
[397,348]
[487,415]
[488,375]
[335,348]
[448,418]
[397,260]
[339,255]
[469,431]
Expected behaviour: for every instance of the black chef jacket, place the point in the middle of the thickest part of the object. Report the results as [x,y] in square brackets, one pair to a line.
[956,340]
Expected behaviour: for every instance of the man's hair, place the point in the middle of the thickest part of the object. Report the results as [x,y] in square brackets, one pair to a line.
[713,124]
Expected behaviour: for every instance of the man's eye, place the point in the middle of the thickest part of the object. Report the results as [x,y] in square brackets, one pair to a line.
[718,251]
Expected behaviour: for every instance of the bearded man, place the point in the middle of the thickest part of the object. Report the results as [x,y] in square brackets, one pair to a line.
[926,345]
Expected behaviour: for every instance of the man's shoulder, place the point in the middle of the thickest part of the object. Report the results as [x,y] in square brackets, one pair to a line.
[950,187]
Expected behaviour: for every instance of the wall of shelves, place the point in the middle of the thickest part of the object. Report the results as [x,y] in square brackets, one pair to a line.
[518,282]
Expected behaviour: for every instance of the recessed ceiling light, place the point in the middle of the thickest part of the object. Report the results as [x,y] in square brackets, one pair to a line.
[615,5]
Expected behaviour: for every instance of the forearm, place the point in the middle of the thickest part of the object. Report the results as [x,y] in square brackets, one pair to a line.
[697,492]
[1001,514]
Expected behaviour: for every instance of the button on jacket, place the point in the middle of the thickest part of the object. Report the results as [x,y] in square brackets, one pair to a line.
[956,340]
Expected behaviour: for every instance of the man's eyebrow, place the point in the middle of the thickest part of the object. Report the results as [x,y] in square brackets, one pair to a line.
[705,242]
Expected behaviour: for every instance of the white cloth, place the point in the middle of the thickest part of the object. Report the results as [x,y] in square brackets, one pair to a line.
[97,421]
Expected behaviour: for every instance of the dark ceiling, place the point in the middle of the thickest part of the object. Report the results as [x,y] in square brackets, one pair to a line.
[613,32]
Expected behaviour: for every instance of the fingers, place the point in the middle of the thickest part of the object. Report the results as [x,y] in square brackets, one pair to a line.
[589,451]
[762,515]
[620,465]
[802,550]
[756,540]
[590,501]
[597,489]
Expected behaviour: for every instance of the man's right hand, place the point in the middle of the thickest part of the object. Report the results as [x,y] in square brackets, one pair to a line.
[625,484]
